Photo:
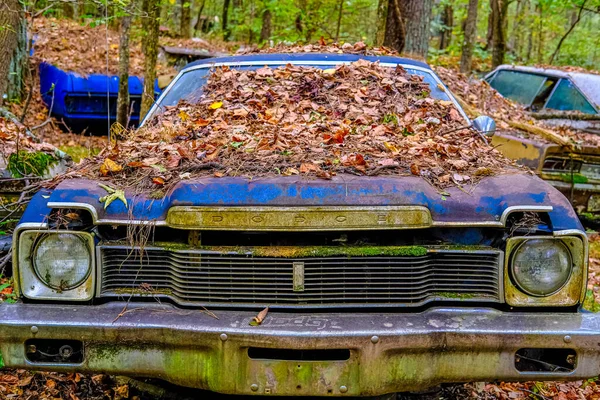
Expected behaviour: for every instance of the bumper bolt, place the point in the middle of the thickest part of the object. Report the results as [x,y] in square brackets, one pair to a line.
[374,339]
[567,339]
[343,389]
[254,387]
[223,337]
[34,329]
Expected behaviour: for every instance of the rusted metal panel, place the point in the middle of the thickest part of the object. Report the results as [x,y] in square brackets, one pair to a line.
[388,352]
[528,152]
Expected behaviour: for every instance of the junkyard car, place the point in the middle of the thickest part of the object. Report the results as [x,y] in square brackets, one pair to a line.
[374,284]
[560,99]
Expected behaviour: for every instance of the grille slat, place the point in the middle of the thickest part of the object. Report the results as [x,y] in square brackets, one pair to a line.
[202,278]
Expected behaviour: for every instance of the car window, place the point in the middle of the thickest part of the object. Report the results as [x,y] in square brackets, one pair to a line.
[567,97]
[518,86]
[189,86]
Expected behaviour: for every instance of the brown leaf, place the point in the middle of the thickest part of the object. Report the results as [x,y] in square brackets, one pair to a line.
[260,317]
[414,169]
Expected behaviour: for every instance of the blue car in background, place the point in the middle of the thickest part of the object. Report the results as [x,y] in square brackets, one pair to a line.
[87,102]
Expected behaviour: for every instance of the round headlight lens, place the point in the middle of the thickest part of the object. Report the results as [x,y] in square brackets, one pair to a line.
[62,261]
[541,267]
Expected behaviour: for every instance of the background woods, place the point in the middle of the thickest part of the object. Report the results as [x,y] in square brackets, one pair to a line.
[490,31]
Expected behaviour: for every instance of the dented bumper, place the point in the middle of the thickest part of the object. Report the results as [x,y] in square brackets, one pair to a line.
[386,352]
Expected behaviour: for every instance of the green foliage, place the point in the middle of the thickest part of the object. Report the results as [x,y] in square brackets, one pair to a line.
[26,163]
[590,302]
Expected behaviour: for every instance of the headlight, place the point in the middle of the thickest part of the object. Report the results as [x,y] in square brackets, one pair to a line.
[62,261]
[541,267]
[55,265]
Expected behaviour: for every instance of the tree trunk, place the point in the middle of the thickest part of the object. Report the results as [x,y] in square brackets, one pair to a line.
[516,39]
[186,19]
[265,32]
[13,50]
[199,22]
[530,28]
[382,12]
[417,19]
[68,10]
[499,8]
[466,58]
[490,28]
[339,20]
[395,29]
[540,46]
[123,97]
[446,29]
[226,32]
[150,50]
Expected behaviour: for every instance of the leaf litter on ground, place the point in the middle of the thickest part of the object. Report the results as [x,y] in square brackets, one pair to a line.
[360,118]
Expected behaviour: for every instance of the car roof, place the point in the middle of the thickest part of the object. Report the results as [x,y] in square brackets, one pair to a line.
[588,83]
[291,57]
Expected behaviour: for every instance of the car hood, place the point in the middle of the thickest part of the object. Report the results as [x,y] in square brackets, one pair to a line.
[484,204]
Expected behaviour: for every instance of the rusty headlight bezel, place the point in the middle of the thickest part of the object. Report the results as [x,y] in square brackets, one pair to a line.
[32,286]
[569,294]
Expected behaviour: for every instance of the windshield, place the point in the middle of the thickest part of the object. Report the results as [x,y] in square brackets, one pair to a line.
[189,85]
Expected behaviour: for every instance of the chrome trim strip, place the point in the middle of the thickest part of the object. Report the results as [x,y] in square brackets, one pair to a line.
[298,218]
[500,223]
[103,221]
[307,62]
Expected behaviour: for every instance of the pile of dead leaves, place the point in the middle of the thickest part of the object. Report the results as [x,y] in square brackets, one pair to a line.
[323,47]
[361,118]
[82,48]
[21,384]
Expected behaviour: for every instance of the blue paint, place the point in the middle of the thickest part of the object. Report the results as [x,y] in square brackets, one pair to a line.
[81,101]
[477,207]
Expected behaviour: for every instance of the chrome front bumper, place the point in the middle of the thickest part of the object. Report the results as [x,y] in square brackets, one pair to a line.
[389,352]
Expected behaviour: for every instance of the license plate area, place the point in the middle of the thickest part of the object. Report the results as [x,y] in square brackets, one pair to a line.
[302,372]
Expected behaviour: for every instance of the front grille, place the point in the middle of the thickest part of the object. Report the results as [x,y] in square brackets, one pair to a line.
[197,277]
[557,164]
[583,169]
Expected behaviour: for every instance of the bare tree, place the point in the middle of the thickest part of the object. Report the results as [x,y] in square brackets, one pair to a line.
[466,58]
[123,96]
[574,22]
[13,49]
[151,8]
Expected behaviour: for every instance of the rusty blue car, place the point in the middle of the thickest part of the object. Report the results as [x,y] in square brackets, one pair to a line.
[373,284]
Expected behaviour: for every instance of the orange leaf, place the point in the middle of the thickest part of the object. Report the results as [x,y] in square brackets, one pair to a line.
[158,180]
